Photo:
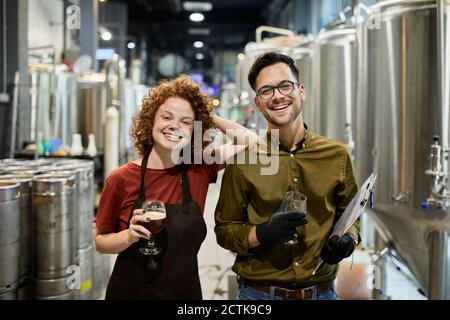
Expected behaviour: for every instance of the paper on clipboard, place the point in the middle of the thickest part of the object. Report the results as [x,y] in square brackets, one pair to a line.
[352,212]
[355,208]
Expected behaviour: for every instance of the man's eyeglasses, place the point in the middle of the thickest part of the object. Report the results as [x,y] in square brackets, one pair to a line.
[285,87]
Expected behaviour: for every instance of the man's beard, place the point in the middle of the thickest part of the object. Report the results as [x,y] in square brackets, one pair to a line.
[292,117]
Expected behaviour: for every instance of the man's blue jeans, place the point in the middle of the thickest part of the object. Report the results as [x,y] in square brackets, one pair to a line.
[247,293]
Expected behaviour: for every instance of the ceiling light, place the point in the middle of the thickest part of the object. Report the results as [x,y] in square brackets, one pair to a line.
[106,36]
[198,44]
[197,6]
[131,45]
[199,56]
[197,17]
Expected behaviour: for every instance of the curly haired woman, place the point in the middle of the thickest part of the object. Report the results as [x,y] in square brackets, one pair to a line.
[163,131]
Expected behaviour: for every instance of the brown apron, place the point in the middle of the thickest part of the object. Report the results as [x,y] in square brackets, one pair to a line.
[173,274]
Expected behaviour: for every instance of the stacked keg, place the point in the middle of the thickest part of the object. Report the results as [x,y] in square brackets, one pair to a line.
[83,171]
[25,231]
[53,244]
[52,228]
[101,272]
[9,239]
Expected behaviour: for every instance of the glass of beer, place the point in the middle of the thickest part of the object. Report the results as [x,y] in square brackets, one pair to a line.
[155,213]
[294,201]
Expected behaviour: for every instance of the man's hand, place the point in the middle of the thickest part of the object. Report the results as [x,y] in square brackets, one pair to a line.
[280,227]
[336,249]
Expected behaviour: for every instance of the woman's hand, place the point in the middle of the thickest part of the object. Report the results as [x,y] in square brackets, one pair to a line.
[137,231]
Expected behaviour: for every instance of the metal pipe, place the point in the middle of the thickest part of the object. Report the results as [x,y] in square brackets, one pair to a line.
[14,114]
[348,98]
[261,29]
[5,65]
[441,84]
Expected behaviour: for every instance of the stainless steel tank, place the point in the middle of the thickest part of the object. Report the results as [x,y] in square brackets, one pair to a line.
[93,99]
[337,47]
[402,111]
[305,57]
[25,222]
[9,234]
[53,225]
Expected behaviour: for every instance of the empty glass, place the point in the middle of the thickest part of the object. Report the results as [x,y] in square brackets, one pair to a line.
[293,201]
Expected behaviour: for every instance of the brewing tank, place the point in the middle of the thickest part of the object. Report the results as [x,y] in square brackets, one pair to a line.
[94,97]
[406,127]
[306,61]
[337,50]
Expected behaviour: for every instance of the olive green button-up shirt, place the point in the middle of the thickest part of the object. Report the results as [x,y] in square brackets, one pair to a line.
[320,168]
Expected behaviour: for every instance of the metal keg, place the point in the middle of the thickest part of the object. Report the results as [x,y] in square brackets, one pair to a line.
[53,289]
[86,270]
[84,203]
[9,234]
[25,170]
[25,290]
[53,225]
[101,266]
[25,221]
[10,293]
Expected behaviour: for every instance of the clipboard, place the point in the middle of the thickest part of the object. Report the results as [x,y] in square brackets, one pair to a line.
[353,211]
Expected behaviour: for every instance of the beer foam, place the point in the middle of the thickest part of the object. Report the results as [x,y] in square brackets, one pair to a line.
[155,215]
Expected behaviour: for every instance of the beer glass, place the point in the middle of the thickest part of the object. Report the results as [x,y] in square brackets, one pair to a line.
[155,212]
[293,201]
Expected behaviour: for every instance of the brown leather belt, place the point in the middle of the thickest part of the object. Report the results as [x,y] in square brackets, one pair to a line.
[289,294]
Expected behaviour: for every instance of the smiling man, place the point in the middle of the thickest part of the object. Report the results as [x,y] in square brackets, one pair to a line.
[248,219]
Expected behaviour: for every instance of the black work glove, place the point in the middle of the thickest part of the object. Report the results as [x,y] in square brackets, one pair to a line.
[336,249]
[280,227]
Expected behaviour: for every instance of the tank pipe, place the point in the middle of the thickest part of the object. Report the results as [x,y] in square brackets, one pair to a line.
[261,29]
[443,78]
[393,103]
[5,65]
[344,12]
[14,114]
[348,98]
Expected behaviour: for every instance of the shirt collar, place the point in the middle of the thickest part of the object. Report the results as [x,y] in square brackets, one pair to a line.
[301,145]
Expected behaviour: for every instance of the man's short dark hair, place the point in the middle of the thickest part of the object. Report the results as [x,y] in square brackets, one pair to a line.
[266,60]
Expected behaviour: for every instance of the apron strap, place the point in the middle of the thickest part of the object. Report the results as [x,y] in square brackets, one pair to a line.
[187,198]
[141,198]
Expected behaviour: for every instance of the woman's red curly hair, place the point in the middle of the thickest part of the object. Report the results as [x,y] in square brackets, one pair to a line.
[182,87]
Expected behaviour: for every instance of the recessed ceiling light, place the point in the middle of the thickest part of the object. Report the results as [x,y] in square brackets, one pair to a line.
[198,44]
[199,56]
[197,6]
[197,17]
[106,36]
[131,45]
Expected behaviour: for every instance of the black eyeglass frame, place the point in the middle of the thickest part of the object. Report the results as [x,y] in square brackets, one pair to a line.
[278,88]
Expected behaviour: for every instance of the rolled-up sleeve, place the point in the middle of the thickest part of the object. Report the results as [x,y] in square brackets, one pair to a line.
[232,228]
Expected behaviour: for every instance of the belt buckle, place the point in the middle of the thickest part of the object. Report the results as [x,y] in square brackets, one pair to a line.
[295,295]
